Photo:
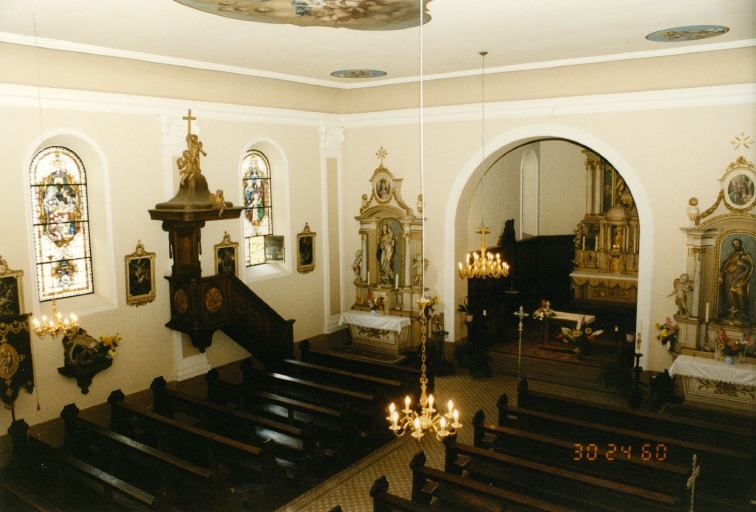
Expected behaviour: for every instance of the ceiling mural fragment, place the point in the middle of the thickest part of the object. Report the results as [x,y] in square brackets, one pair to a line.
[352,14]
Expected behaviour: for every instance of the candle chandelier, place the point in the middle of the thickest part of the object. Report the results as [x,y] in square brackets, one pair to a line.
[483,264]
[56,325]
[427,419]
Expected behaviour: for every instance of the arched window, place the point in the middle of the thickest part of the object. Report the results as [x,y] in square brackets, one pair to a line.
[61,224]
[258,212]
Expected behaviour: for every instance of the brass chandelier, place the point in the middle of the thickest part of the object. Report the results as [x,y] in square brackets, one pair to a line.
[56,325]
[427,419]
[483,264]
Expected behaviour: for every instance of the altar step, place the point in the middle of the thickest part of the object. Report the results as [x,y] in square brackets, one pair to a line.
[569,371]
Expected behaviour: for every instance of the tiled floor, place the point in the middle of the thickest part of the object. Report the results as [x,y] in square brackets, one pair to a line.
[351,488]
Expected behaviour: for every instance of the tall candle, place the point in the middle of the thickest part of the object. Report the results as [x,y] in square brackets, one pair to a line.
[583,243]
[368,279]
[595,244]
[707,313]
[396,282]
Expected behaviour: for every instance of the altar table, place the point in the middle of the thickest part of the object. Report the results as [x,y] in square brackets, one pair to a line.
[714,383]
[563,319]
[382,333]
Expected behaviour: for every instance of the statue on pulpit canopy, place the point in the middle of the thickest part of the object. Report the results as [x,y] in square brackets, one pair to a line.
[385,254]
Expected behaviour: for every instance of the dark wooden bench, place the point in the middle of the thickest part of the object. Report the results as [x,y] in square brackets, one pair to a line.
[17,495]
[340,427]
[192,443]
[196,487]
[409,376]
[733,437]
[366,406]
[383,501]
[727,473]
[565,487]
[294,443]
[391,390]
[448,491]
[595,461]
[70,482]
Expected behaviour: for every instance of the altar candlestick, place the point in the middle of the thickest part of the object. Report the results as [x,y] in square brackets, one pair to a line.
[368,279]
[595,244]
[396,282]
[583,243]
[706,319]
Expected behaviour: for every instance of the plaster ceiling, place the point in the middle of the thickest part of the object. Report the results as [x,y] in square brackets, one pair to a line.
[517,35]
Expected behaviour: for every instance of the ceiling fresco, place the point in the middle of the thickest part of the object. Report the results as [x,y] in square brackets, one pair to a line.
[353,14]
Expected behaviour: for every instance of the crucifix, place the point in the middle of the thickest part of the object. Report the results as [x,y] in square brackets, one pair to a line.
[520,313]
[188,117]
[691,484]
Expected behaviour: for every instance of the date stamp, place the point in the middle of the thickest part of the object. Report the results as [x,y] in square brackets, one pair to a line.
[646,452]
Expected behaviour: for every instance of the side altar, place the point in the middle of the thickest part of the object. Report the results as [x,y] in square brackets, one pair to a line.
[388,267]
[381,333]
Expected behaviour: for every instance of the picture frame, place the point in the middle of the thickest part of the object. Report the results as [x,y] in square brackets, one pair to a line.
[140,276]
[306,250]
[738,187]
[274,249]
[227,256]
[383,186]
[11,290]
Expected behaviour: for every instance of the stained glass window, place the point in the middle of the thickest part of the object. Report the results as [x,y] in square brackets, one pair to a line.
[60,223]
[258,213]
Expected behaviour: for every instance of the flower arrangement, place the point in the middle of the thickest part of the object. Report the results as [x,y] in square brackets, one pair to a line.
[108,345]
[579,336]
[376,303]
[544,311]
[668,332]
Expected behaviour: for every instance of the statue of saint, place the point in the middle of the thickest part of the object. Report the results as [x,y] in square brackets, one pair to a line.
[386,249]
[189,163]
[357,265]
[735,280]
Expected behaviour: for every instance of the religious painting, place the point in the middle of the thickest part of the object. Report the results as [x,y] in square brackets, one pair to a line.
[226,256]
[738,188]
[382,187]
[140,276]
[11,290]
[736,295]
[274,248]
[354,14]
[16,367]
[306,250]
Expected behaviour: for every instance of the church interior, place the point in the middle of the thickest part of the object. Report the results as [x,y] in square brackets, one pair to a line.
[542,214]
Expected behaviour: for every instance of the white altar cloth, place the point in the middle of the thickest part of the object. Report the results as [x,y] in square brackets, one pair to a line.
[572,317]
[366,319]
[711,369]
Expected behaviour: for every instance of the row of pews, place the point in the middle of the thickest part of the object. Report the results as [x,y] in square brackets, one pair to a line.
[555,453]
[245,445]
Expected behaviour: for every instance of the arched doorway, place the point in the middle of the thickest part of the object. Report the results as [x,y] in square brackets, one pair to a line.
[461,202]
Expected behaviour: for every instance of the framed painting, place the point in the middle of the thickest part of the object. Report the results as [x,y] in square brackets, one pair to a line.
[274,248]
[738,188]
[140,276]
[227,256]
[11,290]
[306,250]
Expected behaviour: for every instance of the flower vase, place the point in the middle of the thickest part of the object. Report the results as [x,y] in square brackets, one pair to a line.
[372,312]
[728,360]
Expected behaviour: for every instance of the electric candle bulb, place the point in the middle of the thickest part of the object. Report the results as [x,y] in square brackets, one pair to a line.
[395,418]
[456,416]
[430,402]
[35,322]
[443,423]
[417,424]
[406,402]
[450,406]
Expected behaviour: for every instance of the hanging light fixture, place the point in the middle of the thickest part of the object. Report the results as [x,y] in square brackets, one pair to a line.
[56,325]
[427,419]
[483,263]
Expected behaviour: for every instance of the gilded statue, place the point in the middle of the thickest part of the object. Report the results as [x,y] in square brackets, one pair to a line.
[189,162]
[735,281]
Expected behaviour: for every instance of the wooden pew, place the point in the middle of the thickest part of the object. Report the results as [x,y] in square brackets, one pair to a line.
[448,491]
[369,407]
[340,427]
[192,443]
[733,437]
[70,482]
[409,376]
[383,501]
[565,487]
[19,496]
[725,473]
[596,461]
[295,443]
[196,487]
[390,390]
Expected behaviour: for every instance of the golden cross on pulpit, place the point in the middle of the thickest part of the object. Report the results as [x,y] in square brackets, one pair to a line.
[188,117]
